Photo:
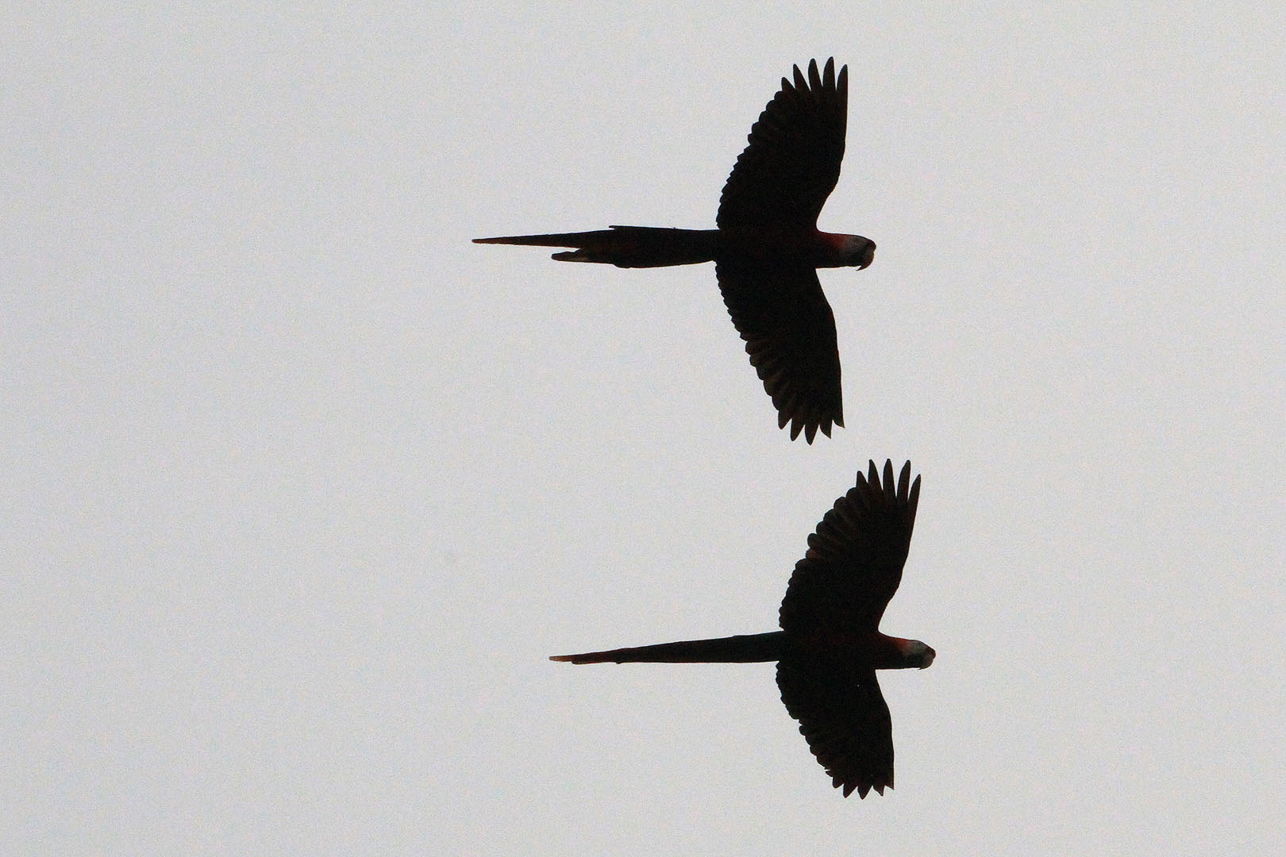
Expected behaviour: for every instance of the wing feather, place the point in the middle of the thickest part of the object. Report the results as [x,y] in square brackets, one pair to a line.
[792,162]
[854,561]
[789,329]
[844,718]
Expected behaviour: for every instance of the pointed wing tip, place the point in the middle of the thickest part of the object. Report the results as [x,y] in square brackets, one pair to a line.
[885,480]
[809,429]
[816,80]
[862,788]
[903,488]
[828,79]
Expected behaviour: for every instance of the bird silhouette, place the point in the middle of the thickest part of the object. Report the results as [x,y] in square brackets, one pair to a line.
[767,247]
[829,645]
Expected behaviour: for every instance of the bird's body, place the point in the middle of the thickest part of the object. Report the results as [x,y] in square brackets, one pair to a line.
[829,645]
[766,248]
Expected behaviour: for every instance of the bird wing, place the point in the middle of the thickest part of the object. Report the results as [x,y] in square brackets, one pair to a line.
[854,560]
[792,162]
[844,718]
[789,329]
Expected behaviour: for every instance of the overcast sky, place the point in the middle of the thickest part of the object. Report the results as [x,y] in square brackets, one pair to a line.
[299,489]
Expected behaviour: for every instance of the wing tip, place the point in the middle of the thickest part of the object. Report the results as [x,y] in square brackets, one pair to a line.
[863,786]
[809,427]
[827,79]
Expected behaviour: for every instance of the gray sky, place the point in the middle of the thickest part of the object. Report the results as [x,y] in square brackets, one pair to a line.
[299,488]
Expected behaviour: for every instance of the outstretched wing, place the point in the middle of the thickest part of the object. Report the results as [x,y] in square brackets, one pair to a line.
[842,714]
[789,329]
[854,560]
[792,163]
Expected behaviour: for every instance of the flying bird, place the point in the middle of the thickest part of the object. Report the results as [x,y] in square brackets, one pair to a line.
[767,247]
[829,645]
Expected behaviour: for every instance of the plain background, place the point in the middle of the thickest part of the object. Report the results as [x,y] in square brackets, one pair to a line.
[299,488]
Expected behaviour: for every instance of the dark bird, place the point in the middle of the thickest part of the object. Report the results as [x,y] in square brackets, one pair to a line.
[767,247]
[829,645]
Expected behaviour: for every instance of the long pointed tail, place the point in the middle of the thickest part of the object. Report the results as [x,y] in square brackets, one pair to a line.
[625,246]
[742,649]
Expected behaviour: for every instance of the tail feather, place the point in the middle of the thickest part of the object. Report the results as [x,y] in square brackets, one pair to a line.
[741,649]
[624,246]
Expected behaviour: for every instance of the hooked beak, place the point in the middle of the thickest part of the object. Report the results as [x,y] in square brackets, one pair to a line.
[868,257]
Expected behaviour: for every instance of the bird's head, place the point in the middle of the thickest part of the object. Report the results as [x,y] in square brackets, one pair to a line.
[858,251]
